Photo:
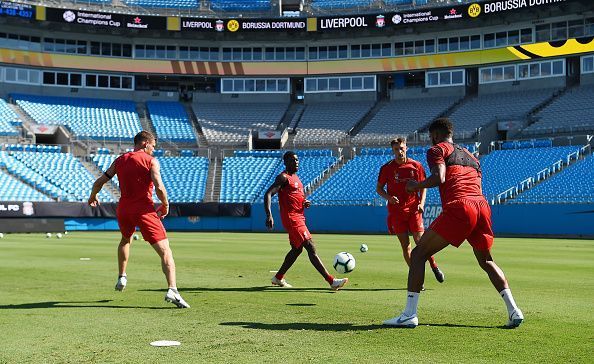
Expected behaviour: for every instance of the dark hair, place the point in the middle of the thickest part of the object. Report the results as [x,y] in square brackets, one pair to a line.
[399,140]
[287,155]
[143,136]
[443,126]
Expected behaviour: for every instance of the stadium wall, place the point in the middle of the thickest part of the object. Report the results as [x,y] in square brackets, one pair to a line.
[571,220]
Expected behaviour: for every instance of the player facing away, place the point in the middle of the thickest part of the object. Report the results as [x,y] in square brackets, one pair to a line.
[405,210]
[292,202]
[466,216]
[138,171]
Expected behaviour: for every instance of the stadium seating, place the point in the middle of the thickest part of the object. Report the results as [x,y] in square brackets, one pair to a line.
[355,182]
[259,169]
[86,118]
[173,4]
[571,112]
[171,121]
[184,177]
[8,119]
[574,184]
[328,123]
[504,169]
[12,189]
[240,5]
[485,108]
[60,175]
[230,123]
[402,117]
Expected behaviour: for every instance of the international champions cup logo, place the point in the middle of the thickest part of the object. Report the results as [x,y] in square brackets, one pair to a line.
[397,19]
[380,21]
[69,16]
[474,10]
[220,26]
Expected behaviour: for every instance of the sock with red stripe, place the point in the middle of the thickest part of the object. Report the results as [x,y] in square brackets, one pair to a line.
[329,278]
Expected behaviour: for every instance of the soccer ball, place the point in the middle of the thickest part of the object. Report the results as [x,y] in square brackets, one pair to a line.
[59,236]
[48,235]
[135,237]
[1,235]
[363,248]
[344,262]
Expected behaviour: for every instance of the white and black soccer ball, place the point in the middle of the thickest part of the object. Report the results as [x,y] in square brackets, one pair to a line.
[135,237]
[344,262]
[59,235]
[363,248]
[1,235]
[48,235]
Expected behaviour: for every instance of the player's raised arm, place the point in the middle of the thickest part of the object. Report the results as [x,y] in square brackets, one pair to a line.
[160,190]
[99,182]
[279,182]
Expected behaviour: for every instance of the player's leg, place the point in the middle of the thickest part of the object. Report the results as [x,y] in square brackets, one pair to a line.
[405,244]
[439,276]
[481,240]
[127,229]
[314,258]
[168,266]
[279,278]
[429,244]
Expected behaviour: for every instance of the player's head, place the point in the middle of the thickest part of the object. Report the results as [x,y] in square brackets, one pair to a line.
[440,130]
[291,161]
[145,141]
[399,149]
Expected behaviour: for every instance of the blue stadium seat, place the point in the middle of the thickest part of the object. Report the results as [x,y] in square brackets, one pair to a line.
[240,5]
[171,121]
[173,4]
[86,118]
[8,119]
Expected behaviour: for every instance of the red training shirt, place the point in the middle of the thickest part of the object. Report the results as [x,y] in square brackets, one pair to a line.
[290,201]
[461,182]
[396,176]
[136,185]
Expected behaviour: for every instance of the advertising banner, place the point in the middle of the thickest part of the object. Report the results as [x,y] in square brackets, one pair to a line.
[109,20]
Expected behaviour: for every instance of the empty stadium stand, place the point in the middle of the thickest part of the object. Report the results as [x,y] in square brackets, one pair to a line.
[574,184]
[402,117]
[8,120]
[59,175]
[171,121]
[480,110]
[86,118]
[240,5]
[571,112]
[230,123]
[174,4]
[328,123]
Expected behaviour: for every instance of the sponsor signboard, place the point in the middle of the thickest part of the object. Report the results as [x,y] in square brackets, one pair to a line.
[244,25]
[110,20]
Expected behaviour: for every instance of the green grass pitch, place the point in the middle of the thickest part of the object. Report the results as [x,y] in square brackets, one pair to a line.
[57,308]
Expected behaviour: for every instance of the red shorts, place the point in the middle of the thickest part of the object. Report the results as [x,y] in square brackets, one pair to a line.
[405,222]
[298,235]
[466,220]
[150,225]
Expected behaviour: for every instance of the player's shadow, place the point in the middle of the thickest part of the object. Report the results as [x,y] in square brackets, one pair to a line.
[72,304]
[339,327]
[274,289]
[303,326]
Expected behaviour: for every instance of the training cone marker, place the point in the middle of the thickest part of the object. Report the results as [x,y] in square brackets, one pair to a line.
[165,343]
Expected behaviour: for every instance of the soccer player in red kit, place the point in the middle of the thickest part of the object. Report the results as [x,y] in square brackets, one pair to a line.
[292,202]
[405,210]
[138,172]
[466,216]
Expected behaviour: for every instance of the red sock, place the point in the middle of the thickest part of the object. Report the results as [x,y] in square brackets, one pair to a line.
[330,278]
[279,276]
[432,263]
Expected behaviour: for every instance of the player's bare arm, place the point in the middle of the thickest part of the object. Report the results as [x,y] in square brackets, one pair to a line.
[98,185]
[436,178]
[279,182]
[379,188]
[160,190]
